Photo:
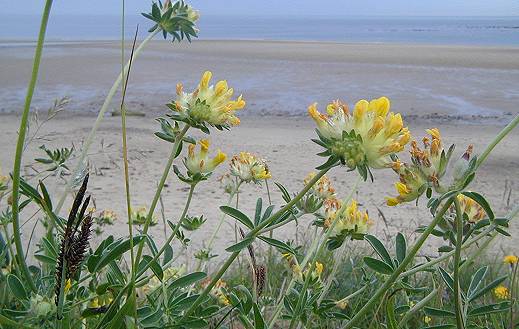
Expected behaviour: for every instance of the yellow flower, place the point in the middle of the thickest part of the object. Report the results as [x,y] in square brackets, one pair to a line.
[471,208]
[323,189]
[501,292]
[510,259]
[107,217]
[319,268]
[429,160]
[427,319]
[410,186]
[249,168]
[365,138]
[211,104]
[342,304]
[218,291]
[200,162]
[68,285]
[348,218]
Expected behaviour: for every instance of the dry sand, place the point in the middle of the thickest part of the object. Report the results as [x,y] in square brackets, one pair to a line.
[283,140]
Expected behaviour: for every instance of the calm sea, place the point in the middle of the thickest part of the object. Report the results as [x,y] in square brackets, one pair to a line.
[432,30]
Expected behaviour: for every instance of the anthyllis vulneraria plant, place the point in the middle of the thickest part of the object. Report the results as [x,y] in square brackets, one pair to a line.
[330,281]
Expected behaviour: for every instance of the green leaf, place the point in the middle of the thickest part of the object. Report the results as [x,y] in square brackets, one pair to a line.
[447,278]
[168,254]
[240,245]
[16,287]
[489,309]
[187,280]
[257,214]
[487,288]
[476,280]
[481,201]
[379,249]
[390,310]
[238,215]
[278,244]
[438,312]
[113,252]
[378,265]
[155,267]
[401,247]
[259,323]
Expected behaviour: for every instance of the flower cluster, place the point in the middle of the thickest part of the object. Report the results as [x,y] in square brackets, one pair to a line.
[363,139]
[501,292]
[208,104]
[228,184]
[218,291]
[199,163]
[139,216]
[300,274]
[427,166]
[322,189]
[177,20]
[249,168]
[470,209]
[106,217]
[345,219]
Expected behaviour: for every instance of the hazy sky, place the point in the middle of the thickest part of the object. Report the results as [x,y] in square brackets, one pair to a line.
[284,7]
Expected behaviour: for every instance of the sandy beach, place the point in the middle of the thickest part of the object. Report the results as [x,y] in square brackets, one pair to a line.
[467,92]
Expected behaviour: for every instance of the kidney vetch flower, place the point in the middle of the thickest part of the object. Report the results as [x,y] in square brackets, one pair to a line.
[200,163]
[208,104]
[363,139]
[249,168]
[345,220]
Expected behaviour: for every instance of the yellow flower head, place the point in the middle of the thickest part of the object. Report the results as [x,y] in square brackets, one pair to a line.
[471,208]
[200,162]
[427,319]
[323,189]
[107,217]
[249,168]
[211,104]
[366,137]
[410,186]
[429,159]
[501,292]
[511,259]
[348,218]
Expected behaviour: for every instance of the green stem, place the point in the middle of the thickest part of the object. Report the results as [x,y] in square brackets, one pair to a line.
[100,116]
[512,295]
[165,174]
[394,276]
[125,157]
[460,321]
[173,234]
[252,234]
[19,148]
[483,156]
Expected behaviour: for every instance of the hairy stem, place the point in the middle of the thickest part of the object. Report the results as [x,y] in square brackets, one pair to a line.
[252,234]
[158,192]
[19,148]
[394,276]
[460,321]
